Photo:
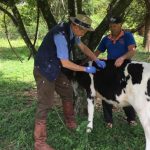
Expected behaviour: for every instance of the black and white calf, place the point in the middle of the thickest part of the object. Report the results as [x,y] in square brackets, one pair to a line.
[126,85]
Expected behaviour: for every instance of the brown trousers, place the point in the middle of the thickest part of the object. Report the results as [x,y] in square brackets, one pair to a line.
[45,91]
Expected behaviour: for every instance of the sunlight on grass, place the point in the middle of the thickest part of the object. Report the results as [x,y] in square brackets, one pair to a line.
[15,43]
[10,67]
[15,70]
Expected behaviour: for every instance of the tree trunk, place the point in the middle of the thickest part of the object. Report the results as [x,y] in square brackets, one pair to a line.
[71,8]
[147,27]
[22,30]
[117,10]
[45,9]
[79,6]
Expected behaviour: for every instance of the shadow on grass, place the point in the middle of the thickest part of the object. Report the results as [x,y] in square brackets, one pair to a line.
[17,126]
[17,111]
[16,115]
[13,95]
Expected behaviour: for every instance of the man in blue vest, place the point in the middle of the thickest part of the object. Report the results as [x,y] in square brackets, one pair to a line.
[53,54]
[120,45]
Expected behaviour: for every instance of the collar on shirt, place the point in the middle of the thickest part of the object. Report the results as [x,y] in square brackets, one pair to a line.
[115,39]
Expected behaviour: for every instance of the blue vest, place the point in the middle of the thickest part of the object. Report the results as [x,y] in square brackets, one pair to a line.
[46,58]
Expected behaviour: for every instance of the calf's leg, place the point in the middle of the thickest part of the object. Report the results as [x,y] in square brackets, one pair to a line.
[90,114]
[91,93]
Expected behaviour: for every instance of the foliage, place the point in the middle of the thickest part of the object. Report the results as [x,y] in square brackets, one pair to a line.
[28,13]
[96,9]
[59,10]
[135,14]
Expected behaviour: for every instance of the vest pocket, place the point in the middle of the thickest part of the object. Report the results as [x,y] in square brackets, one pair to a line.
[50,69]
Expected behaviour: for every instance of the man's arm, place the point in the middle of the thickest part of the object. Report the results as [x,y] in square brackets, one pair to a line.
[97,53]
[70,65]
[91,55]
[87,51]
[128,55]
[130,42]
[62,54]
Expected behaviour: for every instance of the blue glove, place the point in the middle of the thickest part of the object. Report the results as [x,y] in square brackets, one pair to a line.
[100,63]
[90,69]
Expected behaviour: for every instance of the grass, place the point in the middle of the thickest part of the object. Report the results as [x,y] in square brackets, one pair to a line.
[17,110]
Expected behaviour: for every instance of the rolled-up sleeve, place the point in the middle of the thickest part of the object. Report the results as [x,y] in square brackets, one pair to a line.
[130,39]
[61,46]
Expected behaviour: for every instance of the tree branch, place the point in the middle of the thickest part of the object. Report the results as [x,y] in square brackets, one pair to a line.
[9,14]
[36,31]
[79,6]
[71,8]
[45,9]
[16,18]
[22,29]
[6,31]
[137,28]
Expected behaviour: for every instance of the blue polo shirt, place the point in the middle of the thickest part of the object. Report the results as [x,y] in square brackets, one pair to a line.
[61,44]
[117,48]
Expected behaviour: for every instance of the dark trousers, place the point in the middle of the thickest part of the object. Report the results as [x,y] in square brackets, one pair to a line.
[107,110]
[45,92]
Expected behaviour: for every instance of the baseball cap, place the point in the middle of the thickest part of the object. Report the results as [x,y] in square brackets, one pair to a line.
[115,20]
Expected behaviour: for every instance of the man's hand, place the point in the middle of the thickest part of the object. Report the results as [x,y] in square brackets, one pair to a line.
[90,69]
[119,61]
[100,63]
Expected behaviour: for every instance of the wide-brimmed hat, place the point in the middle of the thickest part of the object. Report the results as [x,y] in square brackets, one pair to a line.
[115,20]
[83,21]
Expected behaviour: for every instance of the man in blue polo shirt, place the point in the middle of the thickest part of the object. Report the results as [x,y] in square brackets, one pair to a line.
[53,54]
[120,45]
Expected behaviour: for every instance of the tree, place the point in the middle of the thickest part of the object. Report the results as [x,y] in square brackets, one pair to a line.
[46,12]
[16,18]
[47,9]
[79,6]
[147,27]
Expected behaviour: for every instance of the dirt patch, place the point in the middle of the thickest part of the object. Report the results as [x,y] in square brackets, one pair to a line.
[32,95]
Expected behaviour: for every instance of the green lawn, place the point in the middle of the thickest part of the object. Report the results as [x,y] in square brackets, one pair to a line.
[17,108]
